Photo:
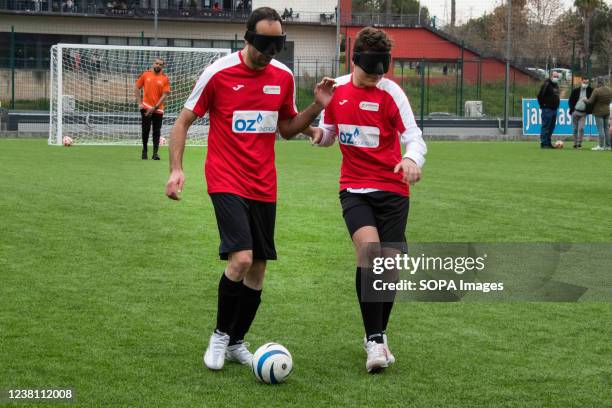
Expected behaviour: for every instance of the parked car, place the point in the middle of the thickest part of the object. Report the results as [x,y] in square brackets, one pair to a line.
[542,73]
[566,74]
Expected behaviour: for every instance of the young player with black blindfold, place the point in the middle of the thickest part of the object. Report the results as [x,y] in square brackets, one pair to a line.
[370,116]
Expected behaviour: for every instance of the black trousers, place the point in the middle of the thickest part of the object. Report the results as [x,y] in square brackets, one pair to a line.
[156,120]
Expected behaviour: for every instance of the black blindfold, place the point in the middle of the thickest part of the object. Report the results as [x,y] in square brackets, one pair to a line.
[266,44]
[372,62]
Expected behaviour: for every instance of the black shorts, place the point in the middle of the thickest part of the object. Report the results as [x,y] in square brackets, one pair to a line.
[386,211]
[245,224]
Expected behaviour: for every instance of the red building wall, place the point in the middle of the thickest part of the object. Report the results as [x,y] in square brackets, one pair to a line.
[420,43]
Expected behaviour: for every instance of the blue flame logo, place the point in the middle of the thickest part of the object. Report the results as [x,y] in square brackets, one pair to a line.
[259,118]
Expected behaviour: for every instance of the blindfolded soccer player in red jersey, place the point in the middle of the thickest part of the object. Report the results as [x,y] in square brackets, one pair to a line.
[370,116]
[249,96]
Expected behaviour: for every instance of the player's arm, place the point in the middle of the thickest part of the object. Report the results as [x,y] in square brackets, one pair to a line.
[411,137]
[593,98]
[323,93]
[195,106]
[288,128]
[137,91]
[326,135]
[178,137]
[161,100]
[165,94]
[138,96]
[155,107]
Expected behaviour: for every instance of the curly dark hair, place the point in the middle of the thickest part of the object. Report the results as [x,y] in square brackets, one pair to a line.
[372,39]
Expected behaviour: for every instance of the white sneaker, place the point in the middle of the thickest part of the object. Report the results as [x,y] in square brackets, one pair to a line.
[597,148]
[377,357]
[390,357]
[239,353]
[214,357]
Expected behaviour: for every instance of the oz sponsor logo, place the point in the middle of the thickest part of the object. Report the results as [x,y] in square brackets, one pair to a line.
[254,121]
[359,136]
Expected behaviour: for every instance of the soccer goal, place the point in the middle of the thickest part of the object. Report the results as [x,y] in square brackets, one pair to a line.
[92,91]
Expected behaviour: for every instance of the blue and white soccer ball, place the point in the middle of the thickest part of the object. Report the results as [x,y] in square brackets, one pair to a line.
[272,363]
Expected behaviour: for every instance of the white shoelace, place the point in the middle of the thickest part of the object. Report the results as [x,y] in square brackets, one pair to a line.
[243,351]
[377,349]
[219,344]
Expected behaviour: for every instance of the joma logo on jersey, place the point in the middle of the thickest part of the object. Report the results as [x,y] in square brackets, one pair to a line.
[359,136]
[254,121]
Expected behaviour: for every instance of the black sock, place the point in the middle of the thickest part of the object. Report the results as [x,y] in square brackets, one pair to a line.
[371,312]
[228,301]
[249,303]
[387,307]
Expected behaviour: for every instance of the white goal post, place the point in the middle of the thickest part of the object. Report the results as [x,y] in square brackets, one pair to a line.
[92,91]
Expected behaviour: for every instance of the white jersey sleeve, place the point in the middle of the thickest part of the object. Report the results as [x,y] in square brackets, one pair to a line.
[329,131]
[410,134]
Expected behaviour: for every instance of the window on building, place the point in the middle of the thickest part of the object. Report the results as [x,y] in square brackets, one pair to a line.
[96,40]
[222,44]
[202,43]
[182,43]
[137,41]
[117,40]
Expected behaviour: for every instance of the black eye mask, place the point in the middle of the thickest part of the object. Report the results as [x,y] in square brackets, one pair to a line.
[372,62]
[266,44]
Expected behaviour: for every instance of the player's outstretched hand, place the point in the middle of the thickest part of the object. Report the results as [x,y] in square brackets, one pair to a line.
[324,91]
[412,172]
[175,184]
[317,136]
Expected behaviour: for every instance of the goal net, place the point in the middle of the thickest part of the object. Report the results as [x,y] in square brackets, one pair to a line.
[92,91]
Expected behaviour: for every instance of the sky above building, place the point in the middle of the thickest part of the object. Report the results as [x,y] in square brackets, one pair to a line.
[467,9]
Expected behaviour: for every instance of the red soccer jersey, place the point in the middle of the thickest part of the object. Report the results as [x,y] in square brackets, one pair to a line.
[368,122]
[244,106]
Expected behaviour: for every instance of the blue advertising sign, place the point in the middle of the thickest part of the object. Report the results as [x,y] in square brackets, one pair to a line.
[532,120]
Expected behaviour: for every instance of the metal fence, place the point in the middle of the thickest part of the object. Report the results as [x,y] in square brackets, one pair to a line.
[436,87]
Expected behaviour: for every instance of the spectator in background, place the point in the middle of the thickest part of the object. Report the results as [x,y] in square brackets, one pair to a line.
[579,110]
[216,8]
[155,90]
[549,100]
[600,102]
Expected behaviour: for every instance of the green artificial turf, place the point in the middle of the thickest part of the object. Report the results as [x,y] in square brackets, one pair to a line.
[109,288]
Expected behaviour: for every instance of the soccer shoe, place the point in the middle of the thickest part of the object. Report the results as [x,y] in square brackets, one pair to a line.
[143,156]
[377,357]
[597,148]
[155,156]
[214,357]
[390,357]
[239,353]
